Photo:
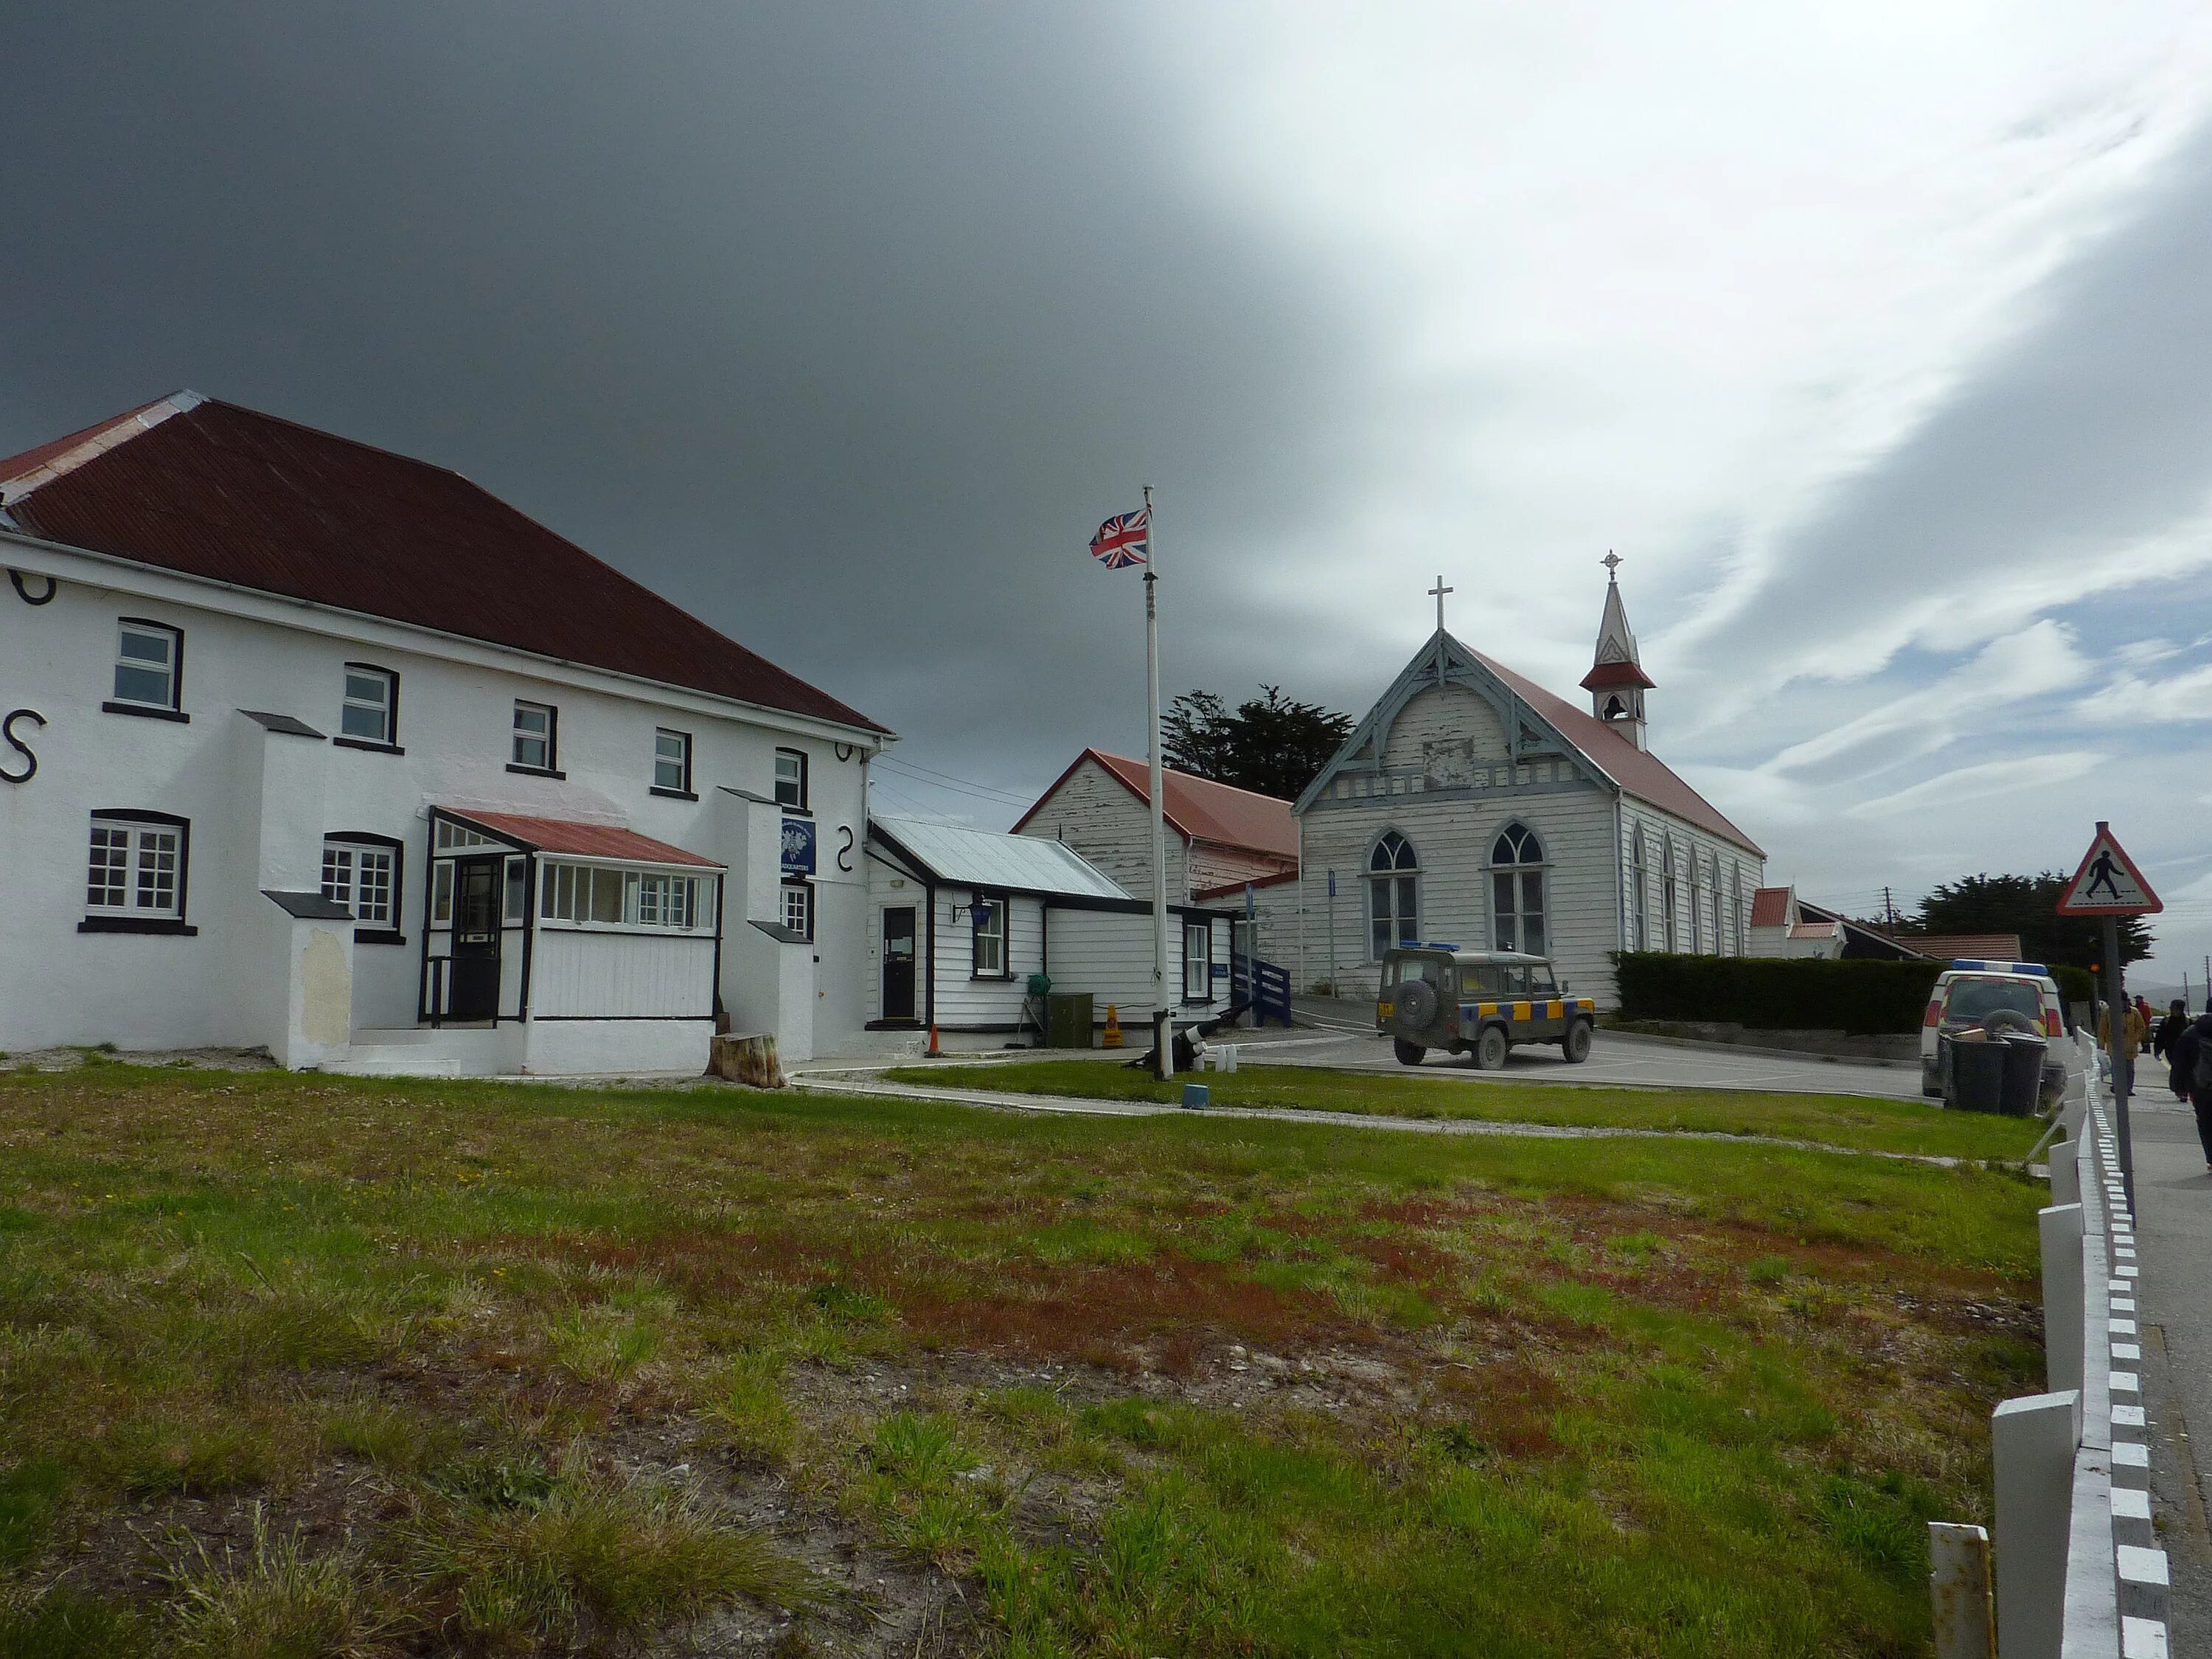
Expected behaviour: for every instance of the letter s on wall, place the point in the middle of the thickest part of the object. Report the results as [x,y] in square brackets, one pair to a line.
[844,853]
[7,732]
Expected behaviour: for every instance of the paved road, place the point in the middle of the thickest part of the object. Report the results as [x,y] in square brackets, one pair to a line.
[1615,1057]
[2174,1219]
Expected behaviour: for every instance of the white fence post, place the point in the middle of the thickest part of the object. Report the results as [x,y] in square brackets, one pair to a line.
[2060,1227]
[2032,1440]
[2065,1163]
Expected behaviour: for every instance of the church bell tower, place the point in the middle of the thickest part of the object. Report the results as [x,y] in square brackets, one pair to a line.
[1617,681]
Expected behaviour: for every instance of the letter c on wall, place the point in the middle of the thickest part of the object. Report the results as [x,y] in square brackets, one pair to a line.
[7,732]
[23,592]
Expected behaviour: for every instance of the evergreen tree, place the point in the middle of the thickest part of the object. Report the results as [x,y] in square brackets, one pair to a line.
[1271,744]
[2028,906]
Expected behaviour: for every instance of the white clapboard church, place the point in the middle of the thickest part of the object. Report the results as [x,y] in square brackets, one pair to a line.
[1474,807]
[308,746]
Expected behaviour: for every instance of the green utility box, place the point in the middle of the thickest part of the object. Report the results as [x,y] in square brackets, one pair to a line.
[1068,1019]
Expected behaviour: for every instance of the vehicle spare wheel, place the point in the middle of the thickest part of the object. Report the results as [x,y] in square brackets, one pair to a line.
[1490,1051]
[1998,1021]
[1417,1003]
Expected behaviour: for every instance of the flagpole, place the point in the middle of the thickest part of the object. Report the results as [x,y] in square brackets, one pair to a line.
[1163,1010]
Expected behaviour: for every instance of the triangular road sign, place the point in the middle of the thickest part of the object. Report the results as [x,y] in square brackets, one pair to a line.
[2107,884]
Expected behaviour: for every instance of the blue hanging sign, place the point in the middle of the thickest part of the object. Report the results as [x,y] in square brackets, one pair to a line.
[799,847]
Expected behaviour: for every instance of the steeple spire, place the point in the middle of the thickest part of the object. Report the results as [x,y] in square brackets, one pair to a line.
[1617,681]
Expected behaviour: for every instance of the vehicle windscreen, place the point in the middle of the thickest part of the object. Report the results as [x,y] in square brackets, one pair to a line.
[1977,998]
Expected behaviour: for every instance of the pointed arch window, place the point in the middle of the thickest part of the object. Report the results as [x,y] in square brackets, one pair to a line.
[1640,895]
[1667,892]
[1517,903]
[1393,899]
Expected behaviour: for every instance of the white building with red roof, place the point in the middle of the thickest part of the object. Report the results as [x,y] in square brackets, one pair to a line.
[1473,807]
[309,746]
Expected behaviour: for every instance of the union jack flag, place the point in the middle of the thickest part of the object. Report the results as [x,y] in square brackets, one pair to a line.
[1124,541]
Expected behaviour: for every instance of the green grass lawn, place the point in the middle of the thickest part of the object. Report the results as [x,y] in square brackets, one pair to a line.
[296,1366]
[1862,1123]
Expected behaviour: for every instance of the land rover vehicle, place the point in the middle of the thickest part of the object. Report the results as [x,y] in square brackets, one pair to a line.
[1477,1002]
[1998,997]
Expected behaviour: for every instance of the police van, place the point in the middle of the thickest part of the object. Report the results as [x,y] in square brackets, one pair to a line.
[1477,1002]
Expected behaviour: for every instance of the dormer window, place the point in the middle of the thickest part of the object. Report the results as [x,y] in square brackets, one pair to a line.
[149,662]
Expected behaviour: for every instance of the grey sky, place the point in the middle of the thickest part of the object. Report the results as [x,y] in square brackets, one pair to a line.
[1871,342]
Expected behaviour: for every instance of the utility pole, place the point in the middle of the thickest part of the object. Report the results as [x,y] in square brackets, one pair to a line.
[1889,909]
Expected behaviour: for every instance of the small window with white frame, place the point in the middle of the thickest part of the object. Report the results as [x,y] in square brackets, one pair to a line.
[791,778]
[987,920]
[798,908]
[534,736]
[135,872]
[370,711]
[672,762]
[1197,961]
[149,659]
[361,873]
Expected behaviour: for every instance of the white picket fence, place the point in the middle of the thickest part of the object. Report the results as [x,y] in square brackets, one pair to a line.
[2079,1574]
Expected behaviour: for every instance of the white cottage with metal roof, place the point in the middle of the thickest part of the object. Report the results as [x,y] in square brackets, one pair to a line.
[961,919]
[1473,807]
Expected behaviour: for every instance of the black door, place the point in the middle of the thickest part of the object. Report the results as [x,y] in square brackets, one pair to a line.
[475,993]
[898,964]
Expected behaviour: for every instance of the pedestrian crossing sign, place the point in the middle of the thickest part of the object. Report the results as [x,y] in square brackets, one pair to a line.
[2108,883]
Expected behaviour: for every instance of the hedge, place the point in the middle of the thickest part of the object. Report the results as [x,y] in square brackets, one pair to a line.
[1771,994]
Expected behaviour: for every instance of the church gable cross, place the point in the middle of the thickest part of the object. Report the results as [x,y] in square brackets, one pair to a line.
[1438,592]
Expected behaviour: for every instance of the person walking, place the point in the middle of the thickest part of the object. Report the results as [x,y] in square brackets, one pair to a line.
[2191,1056]
[2170,1028]
[2133,1032]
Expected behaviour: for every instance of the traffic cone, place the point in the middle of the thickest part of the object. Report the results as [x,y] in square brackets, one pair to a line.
[934,1051]
[1112,1039]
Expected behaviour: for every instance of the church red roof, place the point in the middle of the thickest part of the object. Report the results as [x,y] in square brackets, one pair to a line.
[1638,771]
[1607,675]
[1198,808]
[209,489]
[1770,908]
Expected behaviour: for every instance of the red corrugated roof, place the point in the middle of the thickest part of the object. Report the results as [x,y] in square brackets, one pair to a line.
[590,840]
[1199,809]
[240,497]
[1814,930]
[2004,947]
[1770,908]
[1640,772]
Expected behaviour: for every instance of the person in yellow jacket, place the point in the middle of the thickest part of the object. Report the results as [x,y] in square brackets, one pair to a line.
[2133,1032]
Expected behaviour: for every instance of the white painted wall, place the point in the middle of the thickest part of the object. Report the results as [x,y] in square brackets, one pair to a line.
[259,804]
[1093,811]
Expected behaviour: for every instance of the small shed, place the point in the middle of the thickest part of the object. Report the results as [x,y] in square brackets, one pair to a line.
[961,918]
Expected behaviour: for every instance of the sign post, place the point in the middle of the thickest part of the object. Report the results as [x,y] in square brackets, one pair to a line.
[2108,885]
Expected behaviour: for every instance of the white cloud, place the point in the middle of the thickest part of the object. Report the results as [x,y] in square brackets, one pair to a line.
[2129,699]
[1989,780]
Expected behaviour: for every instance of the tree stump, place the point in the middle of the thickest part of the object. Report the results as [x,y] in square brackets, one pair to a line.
[748,1059]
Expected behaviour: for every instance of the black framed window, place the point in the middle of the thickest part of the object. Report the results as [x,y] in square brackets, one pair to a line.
[791,778]
[149,667]
[798,908]
[1517,901]
[137,874]
[672,762]
[536,736]
[369,712]
[987,920]
[362,872]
